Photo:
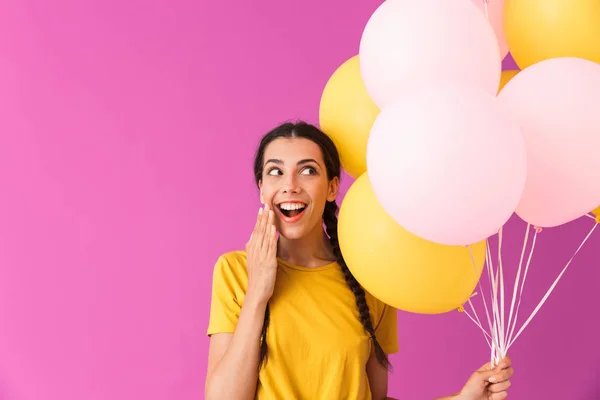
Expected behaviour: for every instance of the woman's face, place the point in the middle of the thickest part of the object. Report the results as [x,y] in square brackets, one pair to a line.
[295,185]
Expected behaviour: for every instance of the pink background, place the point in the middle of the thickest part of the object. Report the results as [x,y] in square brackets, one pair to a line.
[127,130]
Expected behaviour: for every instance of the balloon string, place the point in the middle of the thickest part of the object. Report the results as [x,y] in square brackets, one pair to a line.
[474,313]
[493,275]
[487,313]
[486,335]
[491,280]
[518,277]
[541,303]
[493,348]
[489,267]
[480,289]
[501,269]
[495,309]
[470,302]
[594,217]
[514,321]
[485,6]
[494,345]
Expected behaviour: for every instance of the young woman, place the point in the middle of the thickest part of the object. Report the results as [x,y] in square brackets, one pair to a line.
[288,320]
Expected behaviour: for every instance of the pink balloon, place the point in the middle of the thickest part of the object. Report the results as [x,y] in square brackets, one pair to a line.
[557,105]
[494,12]
[424,40]
[446,163]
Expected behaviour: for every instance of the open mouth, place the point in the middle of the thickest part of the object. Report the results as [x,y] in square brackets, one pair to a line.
[291,211]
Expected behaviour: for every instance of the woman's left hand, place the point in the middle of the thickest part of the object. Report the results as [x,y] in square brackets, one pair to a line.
[487,383]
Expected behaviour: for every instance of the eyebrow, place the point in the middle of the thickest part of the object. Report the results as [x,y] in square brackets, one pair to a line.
[301,162]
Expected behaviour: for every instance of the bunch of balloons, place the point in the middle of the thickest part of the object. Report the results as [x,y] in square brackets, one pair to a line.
[445,147]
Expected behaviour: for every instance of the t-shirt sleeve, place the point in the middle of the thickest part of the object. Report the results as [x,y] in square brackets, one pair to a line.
[224,308]
[386,330]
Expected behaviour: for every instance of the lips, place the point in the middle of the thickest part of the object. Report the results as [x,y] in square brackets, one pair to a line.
[291,211]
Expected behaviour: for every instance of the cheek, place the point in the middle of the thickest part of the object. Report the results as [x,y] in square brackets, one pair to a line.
[320,193]
[267,195]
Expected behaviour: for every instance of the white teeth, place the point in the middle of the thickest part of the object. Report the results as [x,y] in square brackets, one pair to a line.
[291,206]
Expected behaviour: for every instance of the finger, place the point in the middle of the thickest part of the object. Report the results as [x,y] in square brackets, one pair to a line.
[485,375]
[498,396]
[266,241]
[502,376]
[257,224]
[488,366]
[271,237]
[271,219]
[505,363]
[262,224]
[272,247]
[253,234]
[266,229]
[499,387]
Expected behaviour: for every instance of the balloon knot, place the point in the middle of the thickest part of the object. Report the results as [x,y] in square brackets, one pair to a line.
[537,229]
[461,309]
[598,219]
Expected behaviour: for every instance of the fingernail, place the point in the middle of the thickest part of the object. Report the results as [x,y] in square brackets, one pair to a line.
[260,210]
[493,379]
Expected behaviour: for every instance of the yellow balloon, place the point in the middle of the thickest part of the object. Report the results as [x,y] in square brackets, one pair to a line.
[506,76]
[537,30]
[596,212]
[346,114]
[399,268]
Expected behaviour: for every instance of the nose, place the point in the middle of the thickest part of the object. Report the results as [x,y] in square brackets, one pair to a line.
[291,184]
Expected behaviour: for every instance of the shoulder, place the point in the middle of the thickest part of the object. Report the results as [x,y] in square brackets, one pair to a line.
[377,307]
[232,259]
[373,301]
[231,266]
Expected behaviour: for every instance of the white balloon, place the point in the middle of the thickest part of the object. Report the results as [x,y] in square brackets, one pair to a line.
[410,40]
[447,163]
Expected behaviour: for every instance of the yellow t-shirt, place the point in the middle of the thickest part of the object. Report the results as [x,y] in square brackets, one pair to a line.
[318,349]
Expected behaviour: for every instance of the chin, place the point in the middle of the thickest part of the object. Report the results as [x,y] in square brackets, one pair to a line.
[298,230]
[294,233]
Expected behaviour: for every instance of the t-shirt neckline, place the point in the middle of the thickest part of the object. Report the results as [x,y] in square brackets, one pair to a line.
[307,269]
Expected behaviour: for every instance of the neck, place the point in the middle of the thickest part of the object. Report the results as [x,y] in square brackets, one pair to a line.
[312,250]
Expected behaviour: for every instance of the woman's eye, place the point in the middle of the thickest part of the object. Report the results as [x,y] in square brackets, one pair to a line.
[308,171]
[274,171]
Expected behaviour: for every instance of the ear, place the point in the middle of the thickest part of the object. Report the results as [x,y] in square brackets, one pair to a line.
[334,186]
[262,198]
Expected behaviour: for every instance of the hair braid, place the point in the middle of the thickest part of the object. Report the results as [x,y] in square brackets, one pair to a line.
[264,350]
[331,223]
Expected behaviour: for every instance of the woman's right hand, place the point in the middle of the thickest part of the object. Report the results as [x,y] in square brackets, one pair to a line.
[488,383]
[261,252]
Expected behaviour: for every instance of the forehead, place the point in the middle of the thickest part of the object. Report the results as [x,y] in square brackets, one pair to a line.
[292,150]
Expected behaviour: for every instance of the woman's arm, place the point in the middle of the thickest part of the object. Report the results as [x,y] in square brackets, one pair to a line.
[484,383]
[233,358]
[378,379]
